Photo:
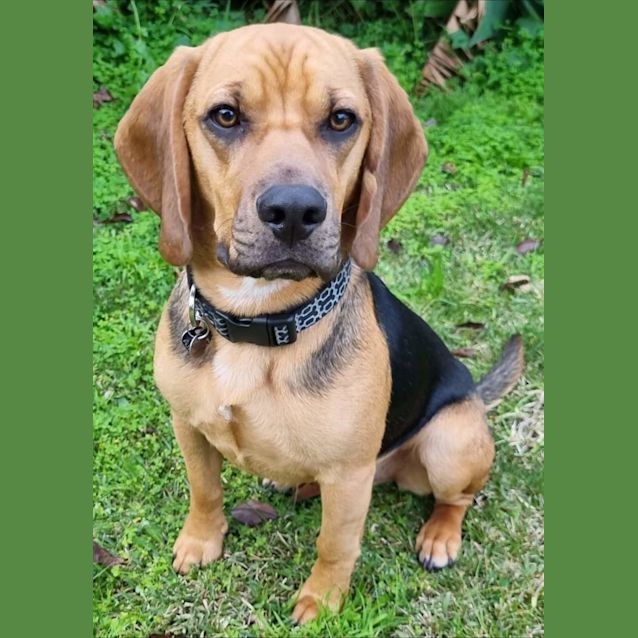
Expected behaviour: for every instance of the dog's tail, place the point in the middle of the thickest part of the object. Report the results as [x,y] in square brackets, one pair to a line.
[504,374]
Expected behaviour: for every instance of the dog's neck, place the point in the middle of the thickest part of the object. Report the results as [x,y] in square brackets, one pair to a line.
[248,296]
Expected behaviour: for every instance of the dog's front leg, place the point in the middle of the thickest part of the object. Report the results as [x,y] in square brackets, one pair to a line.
[345,501]
[202,537]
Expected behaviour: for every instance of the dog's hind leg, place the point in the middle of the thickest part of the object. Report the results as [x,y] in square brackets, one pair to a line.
[455,451]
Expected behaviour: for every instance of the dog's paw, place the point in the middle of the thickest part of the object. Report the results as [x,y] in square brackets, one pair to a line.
[310,601]
[438,544]
[197,549]
[305,610]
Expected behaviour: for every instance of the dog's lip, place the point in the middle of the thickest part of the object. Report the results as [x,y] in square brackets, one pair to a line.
[222,253]
[286,263]
[288,269]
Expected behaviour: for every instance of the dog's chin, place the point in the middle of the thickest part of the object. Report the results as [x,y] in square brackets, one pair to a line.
[285,269]
[288,268]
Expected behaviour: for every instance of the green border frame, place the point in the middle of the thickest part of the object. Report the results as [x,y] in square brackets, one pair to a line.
[590,60]
[46,318]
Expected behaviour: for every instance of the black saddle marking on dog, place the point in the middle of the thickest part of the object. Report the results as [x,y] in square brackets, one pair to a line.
[426,377]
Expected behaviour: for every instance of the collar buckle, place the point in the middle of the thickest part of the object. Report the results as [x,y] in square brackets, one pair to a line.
[271,330]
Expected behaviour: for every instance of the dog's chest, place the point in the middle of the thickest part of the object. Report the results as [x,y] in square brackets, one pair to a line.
[243,403]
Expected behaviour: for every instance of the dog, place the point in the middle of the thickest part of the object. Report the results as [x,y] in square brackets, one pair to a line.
[274,155]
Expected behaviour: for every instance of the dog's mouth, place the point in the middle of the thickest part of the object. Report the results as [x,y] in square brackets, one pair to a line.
[281,269]
[287,269]
[284,269]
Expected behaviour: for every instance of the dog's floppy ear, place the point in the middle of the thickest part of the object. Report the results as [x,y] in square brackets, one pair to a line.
[151,145]
[393,160]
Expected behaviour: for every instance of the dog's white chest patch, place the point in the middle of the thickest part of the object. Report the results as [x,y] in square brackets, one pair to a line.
[252,290]
[236,381]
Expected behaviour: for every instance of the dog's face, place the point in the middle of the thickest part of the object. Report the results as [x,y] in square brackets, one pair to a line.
[277,125]
[274,149]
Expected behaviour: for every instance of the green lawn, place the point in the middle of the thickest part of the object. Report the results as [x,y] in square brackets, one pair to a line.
[491,129]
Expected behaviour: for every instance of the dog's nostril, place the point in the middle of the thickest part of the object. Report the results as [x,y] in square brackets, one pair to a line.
[313,216]
[274,215]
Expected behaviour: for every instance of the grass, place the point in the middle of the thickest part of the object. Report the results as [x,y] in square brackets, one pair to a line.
[491,129]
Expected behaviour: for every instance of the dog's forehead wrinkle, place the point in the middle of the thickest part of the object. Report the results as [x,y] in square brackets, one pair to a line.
[282,77]
[288,96]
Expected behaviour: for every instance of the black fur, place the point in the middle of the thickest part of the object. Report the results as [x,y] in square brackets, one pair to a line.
[425,375]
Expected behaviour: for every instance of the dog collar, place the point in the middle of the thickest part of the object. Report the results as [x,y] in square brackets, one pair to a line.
[265,330]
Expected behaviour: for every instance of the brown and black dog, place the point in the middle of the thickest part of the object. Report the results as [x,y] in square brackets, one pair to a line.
[274,155]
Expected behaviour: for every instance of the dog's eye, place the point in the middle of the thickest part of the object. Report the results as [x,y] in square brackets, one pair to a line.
[341,120]
[224,115]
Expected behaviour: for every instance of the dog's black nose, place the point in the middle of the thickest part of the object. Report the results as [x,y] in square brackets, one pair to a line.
[292,212]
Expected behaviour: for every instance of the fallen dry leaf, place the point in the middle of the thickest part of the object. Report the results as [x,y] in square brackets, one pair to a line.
[119,217]
[467,353]
[444,62]
[471,325]
[394,246]
[449,168]
[439,240]
[284,11]
[100,97]
[306,491]
[253,513]
[517,282]
[527,245]
[525,176]
[136,203]
[103,557]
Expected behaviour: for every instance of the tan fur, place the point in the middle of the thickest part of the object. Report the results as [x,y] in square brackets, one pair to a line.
[238,404]
[255,381]
[282,436]
[451,459]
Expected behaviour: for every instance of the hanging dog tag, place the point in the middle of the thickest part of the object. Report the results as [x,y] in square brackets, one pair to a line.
[198,336]
[196,339]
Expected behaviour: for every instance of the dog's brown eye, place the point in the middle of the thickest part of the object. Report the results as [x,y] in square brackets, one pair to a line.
[225,116]
[341,120]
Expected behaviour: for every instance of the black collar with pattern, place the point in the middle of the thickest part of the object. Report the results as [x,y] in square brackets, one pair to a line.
[265,330]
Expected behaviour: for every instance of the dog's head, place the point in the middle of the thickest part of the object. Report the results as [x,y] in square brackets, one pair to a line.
[274,149]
